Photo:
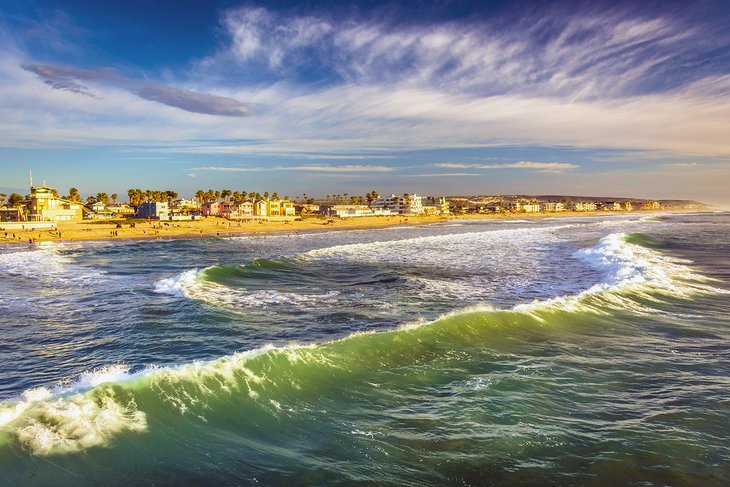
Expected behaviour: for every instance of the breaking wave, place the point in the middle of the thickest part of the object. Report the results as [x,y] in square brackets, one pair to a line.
[270,382]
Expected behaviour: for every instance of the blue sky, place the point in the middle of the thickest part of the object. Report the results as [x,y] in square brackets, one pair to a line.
[447,97]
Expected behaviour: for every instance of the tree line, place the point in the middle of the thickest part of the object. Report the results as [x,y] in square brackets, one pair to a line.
[138,196]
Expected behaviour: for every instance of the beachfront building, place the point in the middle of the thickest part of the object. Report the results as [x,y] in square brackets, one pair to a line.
[553,206]
[245,209]
[99,211]
[153,210]
[627,206]
[287,208]
[183,205]
[612,206]
[44,206]
[345,211]
[273,208]
[584,206]
[411,204]
[435,206]
[389,203]
[121,209]
[527,207]
[211,208]
[260,208]
[651,205]
[11,214]
[307,208]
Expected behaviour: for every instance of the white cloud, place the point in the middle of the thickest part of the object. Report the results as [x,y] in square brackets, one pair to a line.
[554,167]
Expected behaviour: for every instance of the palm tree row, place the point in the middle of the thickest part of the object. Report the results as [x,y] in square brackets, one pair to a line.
[234,196]
[137,196]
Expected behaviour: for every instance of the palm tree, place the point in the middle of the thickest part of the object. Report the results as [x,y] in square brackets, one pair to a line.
[114,198]
[275,196]
[266,195]
[2,198]
[102,197]
[73,194]
[200,194]
[226,193]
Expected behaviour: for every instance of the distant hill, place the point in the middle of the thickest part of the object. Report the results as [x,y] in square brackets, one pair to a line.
[667,203]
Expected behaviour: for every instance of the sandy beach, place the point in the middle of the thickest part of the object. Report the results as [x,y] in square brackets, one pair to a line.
[142,229]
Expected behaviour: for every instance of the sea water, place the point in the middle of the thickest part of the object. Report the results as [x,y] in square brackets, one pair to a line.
[573,351]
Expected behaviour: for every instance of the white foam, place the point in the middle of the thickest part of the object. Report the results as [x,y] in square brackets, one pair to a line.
[627,269]
[73,416]
[177,285]
[47,263]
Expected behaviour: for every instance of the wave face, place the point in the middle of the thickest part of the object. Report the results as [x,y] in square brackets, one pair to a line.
[563,386]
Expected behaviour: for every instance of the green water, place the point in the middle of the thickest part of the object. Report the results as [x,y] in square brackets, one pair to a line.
[625,382]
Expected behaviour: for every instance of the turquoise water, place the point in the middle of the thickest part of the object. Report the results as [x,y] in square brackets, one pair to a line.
[564,351]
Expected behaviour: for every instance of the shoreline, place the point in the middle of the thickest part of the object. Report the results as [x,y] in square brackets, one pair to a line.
[220,227]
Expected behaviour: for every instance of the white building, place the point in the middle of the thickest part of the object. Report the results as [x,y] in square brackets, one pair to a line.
[554,206]
[345,211]
[527,207]
[584,206]
[408,204]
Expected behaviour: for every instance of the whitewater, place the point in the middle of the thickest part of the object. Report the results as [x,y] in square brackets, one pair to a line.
[565,351]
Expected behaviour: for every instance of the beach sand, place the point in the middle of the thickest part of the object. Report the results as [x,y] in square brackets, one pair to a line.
[102,230]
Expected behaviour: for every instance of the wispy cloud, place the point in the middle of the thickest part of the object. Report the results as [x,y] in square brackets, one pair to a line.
[554,167]
[683,164]
[312,168]
[441,175]
[582,53]
[69,79]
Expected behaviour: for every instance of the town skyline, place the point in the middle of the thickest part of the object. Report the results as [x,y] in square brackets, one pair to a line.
[611,99]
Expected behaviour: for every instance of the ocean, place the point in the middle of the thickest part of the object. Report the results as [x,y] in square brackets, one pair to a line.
[556,351]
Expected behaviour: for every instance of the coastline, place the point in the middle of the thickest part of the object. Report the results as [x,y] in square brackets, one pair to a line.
[220,227]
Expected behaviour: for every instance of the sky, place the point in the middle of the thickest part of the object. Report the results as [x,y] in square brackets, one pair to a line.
[447,97]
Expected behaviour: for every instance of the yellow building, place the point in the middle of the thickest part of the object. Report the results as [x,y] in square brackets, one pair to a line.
[287,208]
[44,206]
[273,208]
